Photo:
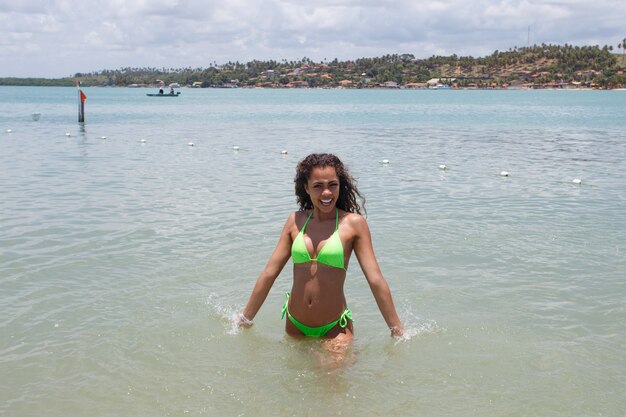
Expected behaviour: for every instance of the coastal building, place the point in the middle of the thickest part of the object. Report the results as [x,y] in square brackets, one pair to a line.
[390,84]
[230,84]
[297,84]
[416,85]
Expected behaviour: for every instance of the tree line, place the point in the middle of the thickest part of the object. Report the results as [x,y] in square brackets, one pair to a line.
[539,64]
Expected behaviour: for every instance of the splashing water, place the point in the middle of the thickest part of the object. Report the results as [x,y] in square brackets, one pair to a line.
[228,314]
[416,326]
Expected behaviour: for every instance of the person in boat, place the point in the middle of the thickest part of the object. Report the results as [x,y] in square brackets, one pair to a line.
[172,90]
[320,238]
[161,90]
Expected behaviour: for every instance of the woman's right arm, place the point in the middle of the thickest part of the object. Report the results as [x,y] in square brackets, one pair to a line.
[272,269]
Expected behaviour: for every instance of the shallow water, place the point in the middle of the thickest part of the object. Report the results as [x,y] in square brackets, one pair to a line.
[121,262]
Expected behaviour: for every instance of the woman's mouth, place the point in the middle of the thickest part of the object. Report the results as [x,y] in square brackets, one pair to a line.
[326,202]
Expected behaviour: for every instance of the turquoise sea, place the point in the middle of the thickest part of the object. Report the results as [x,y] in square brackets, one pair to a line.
[122,259]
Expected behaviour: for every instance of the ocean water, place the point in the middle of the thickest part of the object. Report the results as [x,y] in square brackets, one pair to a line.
[123,259]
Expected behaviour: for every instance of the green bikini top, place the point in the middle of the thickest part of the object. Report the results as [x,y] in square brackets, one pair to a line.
[331,253]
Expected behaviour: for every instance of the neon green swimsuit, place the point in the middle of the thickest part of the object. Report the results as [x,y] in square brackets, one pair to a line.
[331,254]
[317,331]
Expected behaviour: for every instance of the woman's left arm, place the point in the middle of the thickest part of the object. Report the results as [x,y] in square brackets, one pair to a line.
[380,289]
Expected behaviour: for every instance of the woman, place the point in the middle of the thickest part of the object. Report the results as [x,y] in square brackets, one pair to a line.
[320,238]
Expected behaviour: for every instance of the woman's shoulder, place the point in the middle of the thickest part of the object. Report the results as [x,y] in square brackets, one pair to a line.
[353,220]
[298,214]
[291,224]
[292,217]
[297,217]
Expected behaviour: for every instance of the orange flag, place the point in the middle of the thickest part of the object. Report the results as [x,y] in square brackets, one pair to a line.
[83,97]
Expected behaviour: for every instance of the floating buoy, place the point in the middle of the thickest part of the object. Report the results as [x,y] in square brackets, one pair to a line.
[504,174]
[191,144]
[284,152]
[385,161]
[9,131]
[67,134]
[235,148]
[577,181]
[103,137]
[443,167]
[143,141]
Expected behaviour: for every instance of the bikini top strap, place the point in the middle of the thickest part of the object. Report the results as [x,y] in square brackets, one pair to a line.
[306,222]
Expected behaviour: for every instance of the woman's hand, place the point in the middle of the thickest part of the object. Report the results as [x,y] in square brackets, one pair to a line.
[243,321]
[397,331]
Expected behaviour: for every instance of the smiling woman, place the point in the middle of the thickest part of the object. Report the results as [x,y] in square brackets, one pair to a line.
[320,238]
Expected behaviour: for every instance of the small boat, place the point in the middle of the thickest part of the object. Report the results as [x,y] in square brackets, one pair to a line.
[164,95]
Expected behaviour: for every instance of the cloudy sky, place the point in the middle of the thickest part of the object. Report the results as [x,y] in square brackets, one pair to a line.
[56,38]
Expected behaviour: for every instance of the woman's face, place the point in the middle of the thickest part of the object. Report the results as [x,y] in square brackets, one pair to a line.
[323,188]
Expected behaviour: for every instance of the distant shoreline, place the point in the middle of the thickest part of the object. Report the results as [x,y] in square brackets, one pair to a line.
[542,66]
[401,88]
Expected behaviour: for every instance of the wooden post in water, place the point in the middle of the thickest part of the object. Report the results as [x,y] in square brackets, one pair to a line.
[81,103]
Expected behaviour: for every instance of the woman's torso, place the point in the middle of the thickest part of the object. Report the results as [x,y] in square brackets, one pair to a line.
[317,296]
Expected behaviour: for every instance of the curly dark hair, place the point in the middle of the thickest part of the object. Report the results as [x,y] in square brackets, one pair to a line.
[348,192]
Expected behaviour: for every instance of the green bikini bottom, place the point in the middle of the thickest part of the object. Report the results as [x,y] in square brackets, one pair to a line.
[317,331]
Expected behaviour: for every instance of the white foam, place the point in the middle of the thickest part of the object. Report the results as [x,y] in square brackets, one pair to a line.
[415,326]
[235,328]
[424,327]
[228,314]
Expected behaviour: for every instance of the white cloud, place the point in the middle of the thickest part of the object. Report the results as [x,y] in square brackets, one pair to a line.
[59,37]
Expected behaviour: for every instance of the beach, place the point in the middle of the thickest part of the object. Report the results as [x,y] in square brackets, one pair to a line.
[125,252]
